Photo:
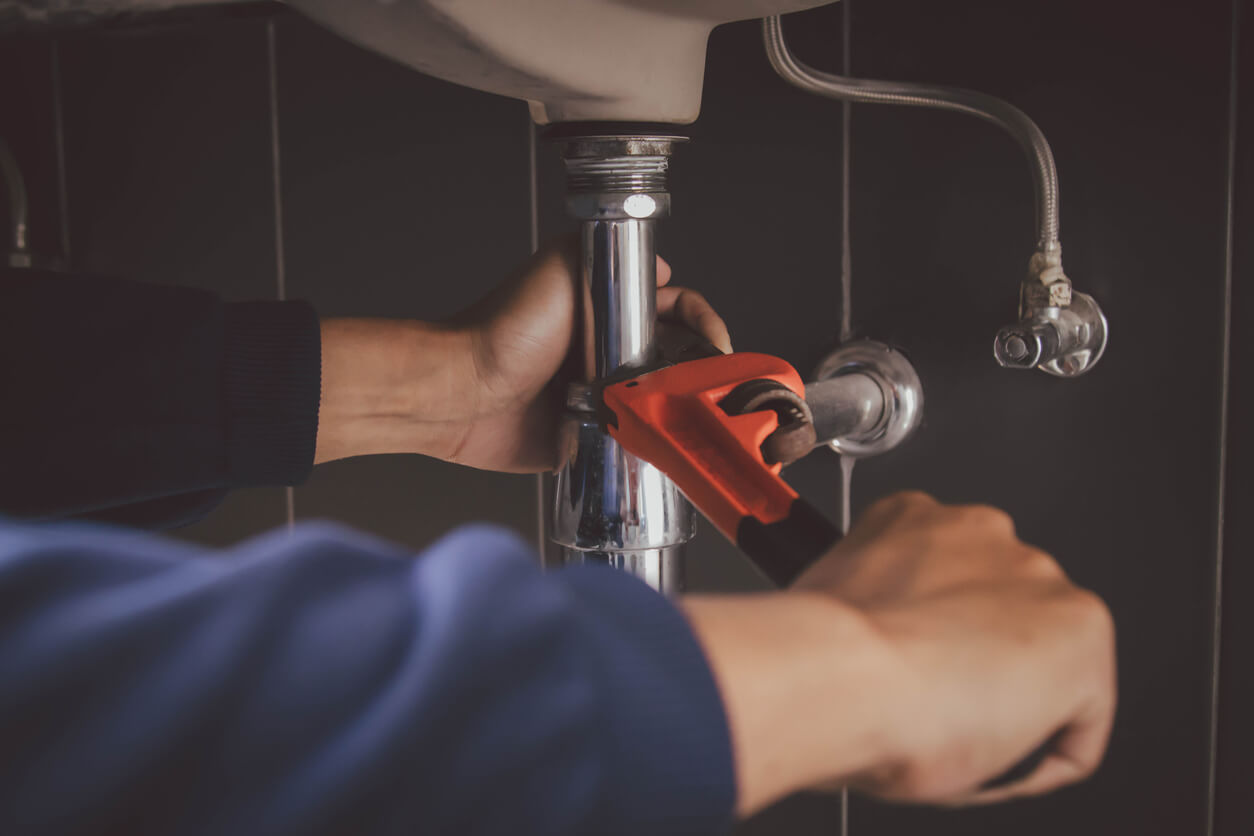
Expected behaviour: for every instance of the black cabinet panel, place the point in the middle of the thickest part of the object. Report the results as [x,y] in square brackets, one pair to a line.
[168,155]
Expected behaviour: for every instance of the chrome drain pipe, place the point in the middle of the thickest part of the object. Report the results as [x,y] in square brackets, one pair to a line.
[607,505]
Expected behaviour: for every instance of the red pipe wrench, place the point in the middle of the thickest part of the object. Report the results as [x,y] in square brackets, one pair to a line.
[722,427]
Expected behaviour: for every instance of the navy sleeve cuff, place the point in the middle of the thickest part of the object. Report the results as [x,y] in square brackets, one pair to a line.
[670,751]
[272,378]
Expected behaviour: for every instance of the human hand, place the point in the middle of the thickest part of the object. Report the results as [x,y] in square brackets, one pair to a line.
[923,657]
[999,651]
[521,335]
[478,389]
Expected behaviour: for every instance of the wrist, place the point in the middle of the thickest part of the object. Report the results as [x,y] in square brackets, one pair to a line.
[808,686]
[393,386]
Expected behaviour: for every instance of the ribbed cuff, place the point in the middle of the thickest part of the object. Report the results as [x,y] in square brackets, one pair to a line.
[272,385]
[670,753]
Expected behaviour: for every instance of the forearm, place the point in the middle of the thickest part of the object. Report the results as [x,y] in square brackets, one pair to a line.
[392,386]
[806,685]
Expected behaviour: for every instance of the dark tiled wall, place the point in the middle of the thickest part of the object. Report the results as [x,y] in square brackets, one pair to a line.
[402,195]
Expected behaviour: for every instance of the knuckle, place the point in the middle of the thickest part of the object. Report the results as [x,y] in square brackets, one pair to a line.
[989,518]
[904,782]
[916,786]
[911,501]
[1092,615]
[691,299]
[1100,613]
[1041,564]
[900,506]
[886,505]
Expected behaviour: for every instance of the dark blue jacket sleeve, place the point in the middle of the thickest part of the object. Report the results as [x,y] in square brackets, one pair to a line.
[143,404]
[324,682]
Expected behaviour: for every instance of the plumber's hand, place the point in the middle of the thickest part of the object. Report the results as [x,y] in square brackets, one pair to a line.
[475,390]
[925,656]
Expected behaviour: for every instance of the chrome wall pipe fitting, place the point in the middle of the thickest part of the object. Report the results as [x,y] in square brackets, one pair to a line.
[867,399]
[1060,331]
[607,505]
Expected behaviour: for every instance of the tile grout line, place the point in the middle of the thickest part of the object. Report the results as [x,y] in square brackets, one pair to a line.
[58,130]
[533,209]
[846,293]
[533,183]
[280,263]
[846,249]
[1225,342]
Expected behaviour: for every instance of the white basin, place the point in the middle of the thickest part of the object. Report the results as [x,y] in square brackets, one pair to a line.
[573,60]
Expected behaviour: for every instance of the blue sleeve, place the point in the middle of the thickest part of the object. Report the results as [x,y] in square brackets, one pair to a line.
[325,682]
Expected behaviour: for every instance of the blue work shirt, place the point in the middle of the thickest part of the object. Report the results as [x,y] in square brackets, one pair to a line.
[322,681]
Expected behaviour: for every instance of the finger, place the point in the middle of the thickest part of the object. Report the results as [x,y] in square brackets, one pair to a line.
[1077,754]
[663,272]
[1054,772]
[892,508]
[691,308]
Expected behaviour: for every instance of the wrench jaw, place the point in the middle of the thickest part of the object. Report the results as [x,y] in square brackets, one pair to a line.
[722,427]
[795,436]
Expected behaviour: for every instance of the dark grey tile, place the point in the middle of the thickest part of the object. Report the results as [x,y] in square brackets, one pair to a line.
[403,196]
[413,500]
[243,514]
[803,814]
[168,155]
[168,175]
[1114,473]
[1234,808]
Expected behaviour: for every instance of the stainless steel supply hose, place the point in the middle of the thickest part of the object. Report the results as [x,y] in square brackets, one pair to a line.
[989,108]
[1059,331]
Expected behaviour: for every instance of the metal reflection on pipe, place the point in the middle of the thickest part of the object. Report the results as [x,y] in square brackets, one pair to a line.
[613,507]
[618,271]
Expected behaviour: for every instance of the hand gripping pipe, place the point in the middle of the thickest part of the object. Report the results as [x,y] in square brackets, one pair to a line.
[1055,335]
